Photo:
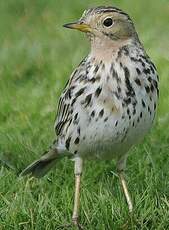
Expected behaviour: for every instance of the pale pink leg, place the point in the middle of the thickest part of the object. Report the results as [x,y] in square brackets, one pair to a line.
[78,172]
[121,165]
[125,190]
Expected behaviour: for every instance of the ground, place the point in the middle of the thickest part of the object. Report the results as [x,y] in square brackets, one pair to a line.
[37,56]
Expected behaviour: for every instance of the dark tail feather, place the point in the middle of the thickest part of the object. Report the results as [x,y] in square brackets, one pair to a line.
[40,167]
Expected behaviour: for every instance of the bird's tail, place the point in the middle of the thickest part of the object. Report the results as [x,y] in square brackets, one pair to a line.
[41,166]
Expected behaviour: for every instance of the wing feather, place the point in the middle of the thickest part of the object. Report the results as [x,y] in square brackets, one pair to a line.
[66,101]
[63,114]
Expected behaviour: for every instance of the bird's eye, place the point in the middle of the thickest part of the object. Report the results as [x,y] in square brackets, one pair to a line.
[108,22]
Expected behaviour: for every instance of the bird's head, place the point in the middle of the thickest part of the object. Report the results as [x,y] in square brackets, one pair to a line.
[105,23]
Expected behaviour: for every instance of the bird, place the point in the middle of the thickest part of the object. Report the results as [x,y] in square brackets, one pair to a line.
[109,102]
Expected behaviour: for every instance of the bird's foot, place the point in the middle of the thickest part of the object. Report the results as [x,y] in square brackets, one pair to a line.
[76,223]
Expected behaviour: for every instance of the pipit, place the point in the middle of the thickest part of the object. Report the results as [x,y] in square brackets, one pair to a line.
[109,102]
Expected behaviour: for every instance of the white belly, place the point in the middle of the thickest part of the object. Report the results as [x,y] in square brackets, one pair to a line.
[113,134]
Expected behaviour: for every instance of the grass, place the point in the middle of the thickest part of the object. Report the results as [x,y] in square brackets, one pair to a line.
[36,57]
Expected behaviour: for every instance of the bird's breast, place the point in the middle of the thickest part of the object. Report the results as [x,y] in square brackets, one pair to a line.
[114,107]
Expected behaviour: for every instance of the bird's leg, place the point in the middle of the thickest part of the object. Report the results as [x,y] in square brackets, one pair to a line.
[78,172]
[121,166]
[125,190]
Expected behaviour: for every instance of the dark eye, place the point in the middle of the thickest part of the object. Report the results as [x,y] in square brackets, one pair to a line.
[108,22]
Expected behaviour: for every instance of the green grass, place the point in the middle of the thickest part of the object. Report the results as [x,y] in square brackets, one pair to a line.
[36,58]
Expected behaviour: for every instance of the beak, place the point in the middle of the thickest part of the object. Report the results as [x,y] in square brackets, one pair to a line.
[78,26]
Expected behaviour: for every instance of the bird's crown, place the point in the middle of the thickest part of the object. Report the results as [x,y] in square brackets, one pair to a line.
[109,22]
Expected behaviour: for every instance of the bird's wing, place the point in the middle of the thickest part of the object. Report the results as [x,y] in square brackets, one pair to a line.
[63,113]
[66,101]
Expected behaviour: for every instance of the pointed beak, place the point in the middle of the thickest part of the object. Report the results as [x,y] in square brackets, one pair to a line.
[78,26]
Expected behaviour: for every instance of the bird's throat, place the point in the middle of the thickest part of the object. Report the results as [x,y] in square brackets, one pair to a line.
[106,49]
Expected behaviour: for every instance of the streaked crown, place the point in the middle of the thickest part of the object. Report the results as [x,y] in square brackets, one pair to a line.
[109,22]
